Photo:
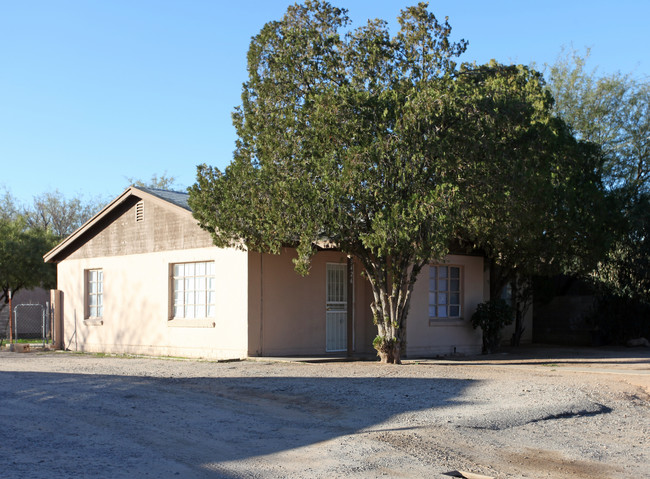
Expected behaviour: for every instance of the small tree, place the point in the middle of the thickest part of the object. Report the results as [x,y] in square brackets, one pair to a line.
[21,258]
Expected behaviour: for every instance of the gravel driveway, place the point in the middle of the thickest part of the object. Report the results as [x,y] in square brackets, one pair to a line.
[542,414]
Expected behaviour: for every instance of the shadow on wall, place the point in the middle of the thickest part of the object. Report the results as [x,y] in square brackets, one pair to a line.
[193,427]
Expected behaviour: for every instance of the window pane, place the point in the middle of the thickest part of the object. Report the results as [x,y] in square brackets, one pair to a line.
[100,311]
[454,272]
[92,288]
[92,300]
[432,284]
[442,272]
[178,285]
[432,298]
[189,311]
[454,311]
[189,284]
[433,272]
[189,269]
[99,300]
[442,285]
[211,296]
[454,285]
[100,287]
[92,276]
[100,275]
[178,270]
[442,311]
[454,298]
[210,284]
[210,311]
[200,269]
[432,311]
[200,283]
[442,298]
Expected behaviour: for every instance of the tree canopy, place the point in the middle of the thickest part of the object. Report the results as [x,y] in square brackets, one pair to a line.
[21,258]
[611,110]
[387,148]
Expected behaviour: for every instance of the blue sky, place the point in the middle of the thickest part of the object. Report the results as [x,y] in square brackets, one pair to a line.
[93,92]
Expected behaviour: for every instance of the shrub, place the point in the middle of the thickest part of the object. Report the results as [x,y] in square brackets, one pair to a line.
[491,317]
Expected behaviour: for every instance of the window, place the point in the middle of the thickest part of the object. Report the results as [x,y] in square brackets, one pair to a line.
[193,290]
[95,293]
[445,292]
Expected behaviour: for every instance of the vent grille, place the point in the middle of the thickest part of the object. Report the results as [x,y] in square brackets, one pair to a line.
[139,211]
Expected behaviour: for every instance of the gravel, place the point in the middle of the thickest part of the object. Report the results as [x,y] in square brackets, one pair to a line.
[541,414]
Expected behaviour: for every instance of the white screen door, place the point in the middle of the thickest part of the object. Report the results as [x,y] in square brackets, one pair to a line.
[337,312]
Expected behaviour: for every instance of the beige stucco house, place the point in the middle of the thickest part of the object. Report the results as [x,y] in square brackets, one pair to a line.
[142,277]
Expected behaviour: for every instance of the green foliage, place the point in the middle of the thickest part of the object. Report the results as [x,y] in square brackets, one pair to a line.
[625,272]
[21,258]
[613,111]
[59,215]
[383,146]
[491,317]
[51,211]
[610,110]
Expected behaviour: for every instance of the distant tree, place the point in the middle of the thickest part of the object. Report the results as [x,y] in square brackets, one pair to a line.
[21,258]
[383,146]
[162,182]
[611,110]
[8,206]
[61,216]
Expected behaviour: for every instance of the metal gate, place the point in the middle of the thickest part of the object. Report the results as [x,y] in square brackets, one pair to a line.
[32,322]
[336,308]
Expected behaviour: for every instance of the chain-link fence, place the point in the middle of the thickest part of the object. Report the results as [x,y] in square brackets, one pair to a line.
[29,322]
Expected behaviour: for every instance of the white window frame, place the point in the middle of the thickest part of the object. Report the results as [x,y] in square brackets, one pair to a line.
[94,293]
[446,292]
[192,293]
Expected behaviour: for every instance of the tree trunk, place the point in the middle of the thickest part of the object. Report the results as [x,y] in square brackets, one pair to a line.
[392,284]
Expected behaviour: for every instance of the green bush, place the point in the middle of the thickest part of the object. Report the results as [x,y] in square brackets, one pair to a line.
[491,317]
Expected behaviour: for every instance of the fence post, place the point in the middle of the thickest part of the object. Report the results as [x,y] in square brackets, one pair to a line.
[11,336]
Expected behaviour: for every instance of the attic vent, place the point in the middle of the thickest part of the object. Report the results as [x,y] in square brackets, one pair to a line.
[139,211]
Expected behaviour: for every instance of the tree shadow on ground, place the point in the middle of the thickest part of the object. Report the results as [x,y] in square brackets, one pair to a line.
[114,426]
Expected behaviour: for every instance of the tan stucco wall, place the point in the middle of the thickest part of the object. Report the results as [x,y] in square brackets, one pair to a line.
[137,306]
[426,337]
[287,312]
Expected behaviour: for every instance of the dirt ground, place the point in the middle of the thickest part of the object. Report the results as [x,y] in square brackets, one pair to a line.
[537,413]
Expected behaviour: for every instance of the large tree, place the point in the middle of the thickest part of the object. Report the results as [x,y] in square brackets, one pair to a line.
[379,143]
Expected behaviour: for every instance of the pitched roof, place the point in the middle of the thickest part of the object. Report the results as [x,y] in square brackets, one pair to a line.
[171,199]
[177,198]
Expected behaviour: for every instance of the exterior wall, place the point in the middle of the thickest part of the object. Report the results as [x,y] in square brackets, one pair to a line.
[137,306]
[287,312]
[427,337]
